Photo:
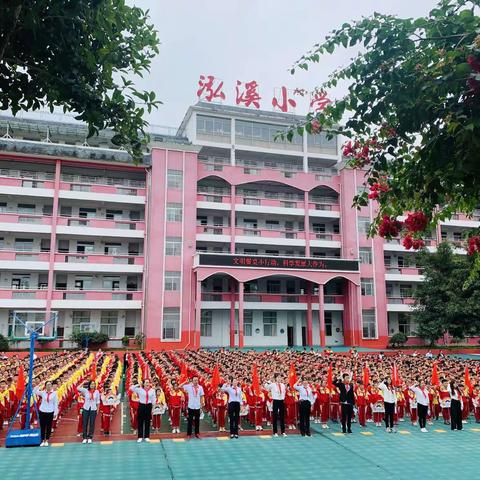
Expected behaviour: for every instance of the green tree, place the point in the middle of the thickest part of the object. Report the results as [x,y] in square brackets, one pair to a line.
[79,55]
[444,302]
[412,112]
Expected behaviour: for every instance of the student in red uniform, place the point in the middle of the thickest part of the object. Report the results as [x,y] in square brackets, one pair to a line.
[324,401]
[291,408]
[175,404]
[158,409]
[476,402]
[445,401]
[108,403]
[361,399]
[220,401]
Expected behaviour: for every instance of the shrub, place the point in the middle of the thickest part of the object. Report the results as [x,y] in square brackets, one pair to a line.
[4,344]
[92,338]
[140,339]
[125,341]
[398,340]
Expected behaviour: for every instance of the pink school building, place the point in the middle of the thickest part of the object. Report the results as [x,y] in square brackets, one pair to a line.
[223,236]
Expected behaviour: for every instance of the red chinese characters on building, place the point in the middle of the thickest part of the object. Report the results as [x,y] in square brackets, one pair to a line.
[248,95]
[210,88]
[284,101]
[319,101]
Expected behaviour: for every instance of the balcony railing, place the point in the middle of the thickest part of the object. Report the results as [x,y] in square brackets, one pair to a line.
[97,294]
[270,233]
[400,300]
[99,258]
[101,222]
[36,219]
[24,255]
[270,297]
[95,180]
[13,293]
[213,229]
[334,237]
[405,270]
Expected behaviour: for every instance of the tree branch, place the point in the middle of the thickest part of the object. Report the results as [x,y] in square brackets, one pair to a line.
[16,15]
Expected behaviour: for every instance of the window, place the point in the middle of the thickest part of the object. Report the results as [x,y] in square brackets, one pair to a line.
[406,291]
[457,236]
[112,248]
[319,228]
[363,224]
[113,214]
[173,246]
[270,324]
[206,323]
[389,290]
[111,283]
[387,260]
[26,208]
[108,323]
[405,324]
[23,245]
[82,282]
[85,247]
[171,323]
[174,212]
[80,318]
[250,251]
[328,324]
[175,179]
[202,220]
[172,281]
[272,225]
[366,286]
[247,323]
[365,255]
[273,286]
[213,125]
[369,324]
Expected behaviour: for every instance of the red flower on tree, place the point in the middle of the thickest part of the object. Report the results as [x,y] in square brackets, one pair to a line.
[416,222]
[416,243]
[473,245]
[376,189]
[389,227]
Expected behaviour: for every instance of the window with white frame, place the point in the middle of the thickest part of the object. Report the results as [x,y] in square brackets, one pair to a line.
[108,323]
[247,323]
[175,179]
[173,246]
[363,224]
[366,286]
[405,324]
[328,324]
[174,212]
[171,323]
[406,290]
[369,324]
[365,255]
[270,324]
[206,323]
[80,319]
[172,281]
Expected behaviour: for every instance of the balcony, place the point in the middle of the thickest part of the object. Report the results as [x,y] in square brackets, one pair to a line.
[270,233]
[13,178]
[404,270]
[213,229]
[29,293]
[98,262]
[400,304]
[264,297]
[100,226]
[97,294]
[24,256]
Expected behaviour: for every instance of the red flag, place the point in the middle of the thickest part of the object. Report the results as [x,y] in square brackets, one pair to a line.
[93,370]
[255,380]
[183,374]
[395,377]
[435,380]
[468,382]
[366,375]
[215,378]
[330,377]
[292,376]
[20,383]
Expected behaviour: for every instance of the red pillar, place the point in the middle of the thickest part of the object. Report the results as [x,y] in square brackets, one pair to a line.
[232,218]
[240,314]
[307,225]
[198,314]
[232,314]
[309,315]
[321,315]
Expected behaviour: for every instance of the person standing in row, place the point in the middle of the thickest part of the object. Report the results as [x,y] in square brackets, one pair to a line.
[146,400]
[421,395]
[47,412]
[196,400]
[456,406]
[306,400]
[277,391]
[89,410]
[389,401]
[347,402]
[235,398]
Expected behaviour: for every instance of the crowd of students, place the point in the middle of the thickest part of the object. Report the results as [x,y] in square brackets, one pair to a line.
[281,390]
[58,380]
[285,387]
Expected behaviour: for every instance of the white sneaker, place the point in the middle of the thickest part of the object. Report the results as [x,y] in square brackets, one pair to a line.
[45,444]
[89,440]
[42,444]
[464,421]
[147,440]
[139,440]
[174,430]
[284,434]
[424,430]
[84,440]
[275,434]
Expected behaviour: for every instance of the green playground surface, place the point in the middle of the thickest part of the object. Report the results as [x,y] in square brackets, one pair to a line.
[367,454]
